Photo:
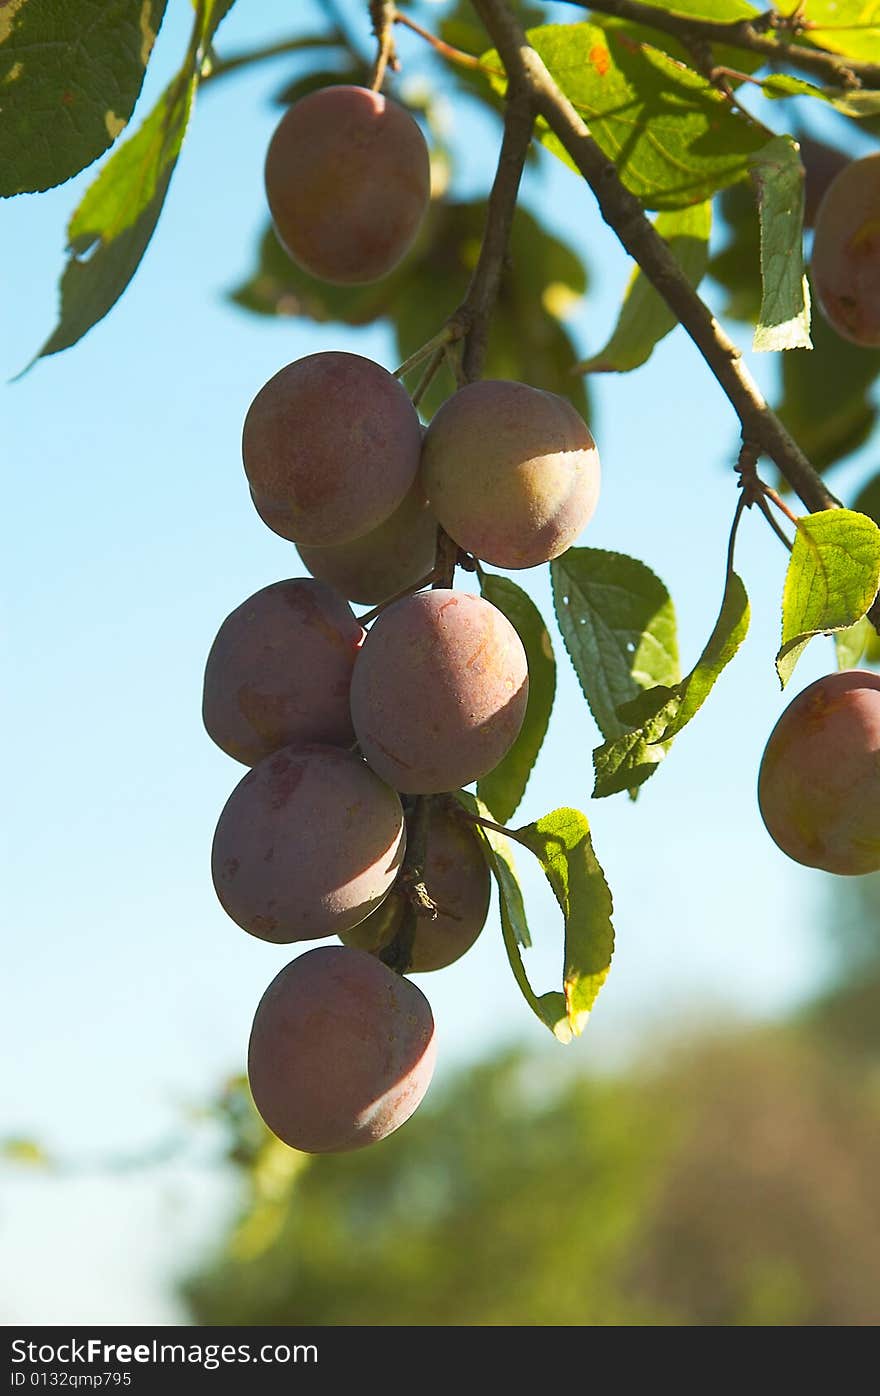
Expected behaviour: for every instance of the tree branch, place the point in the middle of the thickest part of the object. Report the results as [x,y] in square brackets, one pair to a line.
[625,215]
[475,311]
[747,34]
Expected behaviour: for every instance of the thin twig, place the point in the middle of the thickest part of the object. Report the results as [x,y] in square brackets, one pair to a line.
[397,954]
[429,374]
[221,67]
[449,332]
[447,559]
[399,596]
[780,504]
[382,14]
[455,55]
[765,509]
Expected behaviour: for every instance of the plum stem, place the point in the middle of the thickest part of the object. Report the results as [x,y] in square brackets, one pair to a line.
[780,504]
[447,560]
[397,954]
[449,332]
[382,14]
[427,580]
[429,374]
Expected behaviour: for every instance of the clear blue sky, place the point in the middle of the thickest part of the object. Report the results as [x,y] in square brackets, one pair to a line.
[129,536]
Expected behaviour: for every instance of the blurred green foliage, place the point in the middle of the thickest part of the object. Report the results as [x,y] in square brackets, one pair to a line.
[733,1184]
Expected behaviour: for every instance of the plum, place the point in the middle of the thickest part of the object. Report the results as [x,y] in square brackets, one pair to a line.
[387,560]
[341,1052]
[439,691]
[348,180]
[511,472]
[309,843]
[819,783]
[845,261]
[331,448]
[279,671]
[457,880]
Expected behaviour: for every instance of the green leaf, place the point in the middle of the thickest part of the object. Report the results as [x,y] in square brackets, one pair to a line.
[502,790]
[737,266]
[109,232]
[867,501]
[832,578]
[277,286]
[628,761]
[542,279]
[825,401]
[660,713]
[778,176]
[674,138]
[26,1152]
[724,55]
[861,40]
[562,844]
[618,623]
[860,103]
[727,635]
[645,318]
[723,10]
[314,80]
[851,645]
[70,74]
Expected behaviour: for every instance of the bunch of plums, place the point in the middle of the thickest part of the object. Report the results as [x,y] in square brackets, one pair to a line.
[353,736]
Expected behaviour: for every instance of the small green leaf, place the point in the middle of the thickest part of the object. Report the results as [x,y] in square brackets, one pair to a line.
[781,85]
[778,176]
[562,844]
[70,74]
[832,578]
[618,623]
[109,232]
[860,103]
[660,713]
[502,790]
[674,138]
[645,318]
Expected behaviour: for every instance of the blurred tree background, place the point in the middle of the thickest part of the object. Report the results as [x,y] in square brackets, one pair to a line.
[731,1182]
